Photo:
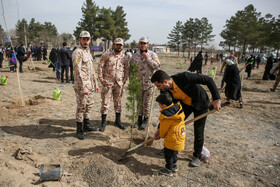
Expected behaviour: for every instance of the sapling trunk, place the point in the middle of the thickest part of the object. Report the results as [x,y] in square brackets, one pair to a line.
[134,97]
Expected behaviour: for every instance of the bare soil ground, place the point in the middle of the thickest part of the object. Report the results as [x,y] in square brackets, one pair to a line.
[244,143]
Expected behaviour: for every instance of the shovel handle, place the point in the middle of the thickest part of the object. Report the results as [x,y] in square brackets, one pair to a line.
[199,117]
[141,144]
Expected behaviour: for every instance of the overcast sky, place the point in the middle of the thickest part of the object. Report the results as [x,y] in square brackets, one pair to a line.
[152,18]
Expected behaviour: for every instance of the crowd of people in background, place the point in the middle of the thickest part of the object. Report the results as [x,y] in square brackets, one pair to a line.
[61,60]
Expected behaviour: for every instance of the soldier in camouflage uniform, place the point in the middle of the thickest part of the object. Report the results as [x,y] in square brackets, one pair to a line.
[147,62]
[113,72]
[84,75]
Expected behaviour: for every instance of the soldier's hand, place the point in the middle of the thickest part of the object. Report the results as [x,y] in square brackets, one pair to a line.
[85,91]
[145,55]
[97,89]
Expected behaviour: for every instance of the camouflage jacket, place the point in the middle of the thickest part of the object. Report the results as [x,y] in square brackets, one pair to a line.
[113,68]
[146,67]
[84,73]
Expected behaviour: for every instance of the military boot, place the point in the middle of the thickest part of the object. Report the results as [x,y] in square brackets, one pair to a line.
[80,133]
[118,121]
[144,124]
[103,123]
[139,122]
[87,126]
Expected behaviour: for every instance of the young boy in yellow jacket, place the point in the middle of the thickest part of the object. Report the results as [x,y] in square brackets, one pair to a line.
[172,129]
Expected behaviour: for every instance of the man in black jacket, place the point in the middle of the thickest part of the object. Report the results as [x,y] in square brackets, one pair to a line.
[64,62]
[20,56]
[185,87]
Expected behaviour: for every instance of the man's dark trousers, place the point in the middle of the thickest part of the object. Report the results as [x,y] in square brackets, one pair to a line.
[66,69]
[199,126]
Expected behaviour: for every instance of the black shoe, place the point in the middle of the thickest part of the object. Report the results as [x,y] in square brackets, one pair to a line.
[67,82]
[103,123]
[118,121]
[241,105]
[80,133]
[139,122]
[166,172]
[144,124]
[87,127]
[272,90]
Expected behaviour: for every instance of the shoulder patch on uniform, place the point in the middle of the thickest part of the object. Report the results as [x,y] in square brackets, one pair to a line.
[78,60]
[156,59]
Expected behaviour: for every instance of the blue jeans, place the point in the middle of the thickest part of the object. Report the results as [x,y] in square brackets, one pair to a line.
[57,67]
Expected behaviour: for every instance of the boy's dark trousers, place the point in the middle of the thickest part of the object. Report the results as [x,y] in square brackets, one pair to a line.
[170,158]
[199,126]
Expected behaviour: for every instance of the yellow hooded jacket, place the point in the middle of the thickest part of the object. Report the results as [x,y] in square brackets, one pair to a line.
[172,127]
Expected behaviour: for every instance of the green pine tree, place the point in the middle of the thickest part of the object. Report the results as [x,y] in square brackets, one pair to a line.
[134,94]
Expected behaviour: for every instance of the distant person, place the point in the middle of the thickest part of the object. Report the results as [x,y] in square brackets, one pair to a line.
[85,84]
[233,83]
[212,60]
[113,71]
[147,62]
[70,52]
[196,65]
[268,67]
[172,129]
[206,58]
[53,58]
[276,72]
[45,53]
[13,61]
[222,57]
[64,62]
[21,56]
[1,55]
[254,62]
[129,54]
[249,66]
[39,53]
[191,59]
[258,60]
[232,58]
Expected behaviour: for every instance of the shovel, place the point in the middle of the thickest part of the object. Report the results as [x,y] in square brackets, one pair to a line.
[152,139]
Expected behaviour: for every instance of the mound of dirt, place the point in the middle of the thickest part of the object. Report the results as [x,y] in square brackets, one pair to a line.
[100,174]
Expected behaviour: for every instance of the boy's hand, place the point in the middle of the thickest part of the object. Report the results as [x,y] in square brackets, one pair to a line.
[157,136]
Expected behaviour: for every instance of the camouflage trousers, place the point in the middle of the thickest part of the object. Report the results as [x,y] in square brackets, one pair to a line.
[144,110]
[84,105]
[107,92]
